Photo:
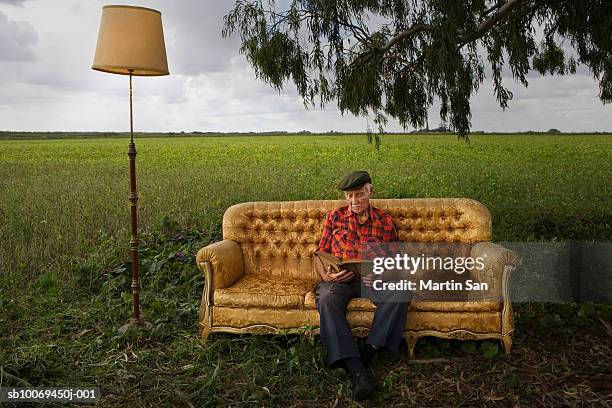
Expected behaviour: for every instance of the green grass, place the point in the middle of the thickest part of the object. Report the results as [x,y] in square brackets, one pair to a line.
[62,198]
[64,270]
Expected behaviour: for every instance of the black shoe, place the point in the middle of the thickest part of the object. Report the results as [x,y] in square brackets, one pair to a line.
[363,386]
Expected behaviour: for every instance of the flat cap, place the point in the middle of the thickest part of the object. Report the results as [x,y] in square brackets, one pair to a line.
[354,179]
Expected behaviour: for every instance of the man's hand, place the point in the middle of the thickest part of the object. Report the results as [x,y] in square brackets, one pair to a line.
[341,277]
[369,279]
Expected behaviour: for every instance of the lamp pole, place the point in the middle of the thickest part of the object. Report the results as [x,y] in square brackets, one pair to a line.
[119,51]
[136,319]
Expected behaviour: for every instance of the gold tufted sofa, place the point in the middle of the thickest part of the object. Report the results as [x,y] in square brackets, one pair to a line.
[261,277]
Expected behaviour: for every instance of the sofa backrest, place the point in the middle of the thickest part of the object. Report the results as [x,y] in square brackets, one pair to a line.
[279,238]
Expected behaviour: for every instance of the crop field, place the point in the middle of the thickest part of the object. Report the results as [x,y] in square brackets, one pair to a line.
[61,198]
[64,265]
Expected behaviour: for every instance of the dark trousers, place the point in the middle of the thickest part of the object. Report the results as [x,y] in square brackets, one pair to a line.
[386,330]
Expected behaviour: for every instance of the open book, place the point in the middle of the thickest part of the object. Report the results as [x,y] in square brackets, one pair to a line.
[360,267]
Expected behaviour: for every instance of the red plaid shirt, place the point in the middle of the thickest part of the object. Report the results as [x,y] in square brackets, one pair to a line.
[345,238]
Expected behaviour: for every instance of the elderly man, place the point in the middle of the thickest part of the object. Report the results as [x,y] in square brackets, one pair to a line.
[346,233]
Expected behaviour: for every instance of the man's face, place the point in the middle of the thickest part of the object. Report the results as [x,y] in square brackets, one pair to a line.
[358,200]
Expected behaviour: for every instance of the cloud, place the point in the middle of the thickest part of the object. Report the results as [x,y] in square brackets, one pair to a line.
[194,43]
[569,103]
[16,40]
[12,2]
[76,8]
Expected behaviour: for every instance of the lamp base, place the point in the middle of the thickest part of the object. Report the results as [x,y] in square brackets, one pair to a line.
[136,321]
[135,324]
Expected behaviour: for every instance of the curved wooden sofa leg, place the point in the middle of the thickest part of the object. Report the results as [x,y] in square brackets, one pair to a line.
[206,303]
[205,335]
[506,343]
[411,341]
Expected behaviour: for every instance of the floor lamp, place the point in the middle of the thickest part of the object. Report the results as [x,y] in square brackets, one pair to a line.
[131,42]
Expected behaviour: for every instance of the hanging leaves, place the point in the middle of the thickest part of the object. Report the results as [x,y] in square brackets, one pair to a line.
[395,58]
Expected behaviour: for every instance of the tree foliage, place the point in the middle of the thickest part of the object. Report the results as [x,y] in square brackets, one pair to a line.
[394,58]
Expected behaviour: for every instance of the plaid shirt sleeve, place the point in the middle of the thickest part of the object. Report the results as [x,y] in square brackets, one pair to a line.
[391,235]
[325,244]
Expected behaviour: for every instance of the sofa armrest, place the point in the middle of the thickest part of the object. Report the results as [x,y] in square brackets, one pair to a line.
[499,262]
[225,260]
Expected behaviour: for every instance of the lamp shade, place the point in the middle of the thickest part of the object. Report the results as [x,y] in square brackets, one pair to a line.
[131,39]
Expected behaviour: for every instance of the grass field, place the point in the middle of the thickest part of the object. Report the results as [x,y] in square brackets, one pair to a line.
[61,198]
[64,260]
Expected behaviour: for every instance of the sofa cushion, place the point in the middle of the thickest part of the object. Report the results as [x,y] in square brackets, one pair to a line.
[354,305]
[264,291]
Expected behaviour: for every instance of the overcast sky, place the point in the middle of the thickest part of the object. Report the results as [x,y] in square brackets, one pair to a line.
[46,82]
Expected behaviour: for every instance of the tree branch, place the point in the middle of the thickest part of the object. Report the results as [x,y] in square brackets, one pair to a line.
[548,34]
[367,54]
[491,21]
[482,29]
[358,32]
[415,29]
